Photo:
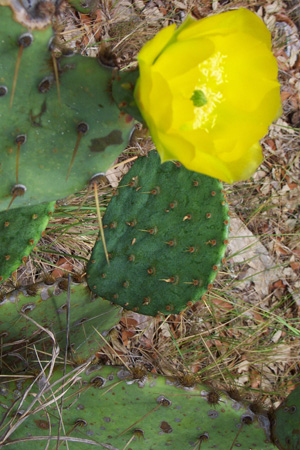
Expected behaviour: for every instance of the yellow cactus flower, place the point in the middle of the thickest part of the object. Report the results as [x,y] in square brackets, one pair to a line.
[208,92]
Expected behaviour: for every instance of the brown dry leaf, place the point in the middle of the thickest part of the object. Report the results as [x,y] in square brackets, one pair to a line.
[288,386]
[285,95]
[129,322]
[283,353]
[243,366]
[66,266]
[255,379]
[115,174]
[279,284]
[221,346]
[295,266]
[145,342]
[115,342]
[244,247]
[222,304]
[165,330]
[97,25]
[277,336]
[126,335]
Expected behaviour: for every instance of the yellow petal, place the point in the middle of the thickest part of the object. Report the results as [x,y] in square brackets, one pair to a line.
[152,49]
[160,100]
[180,57]
[251,71]
[175,147]
[230,172]
[247,164]
[229,22]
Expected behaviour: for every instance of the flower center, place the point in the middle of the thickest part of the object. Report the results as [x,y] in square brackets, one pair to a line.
[207,94]
[198,98]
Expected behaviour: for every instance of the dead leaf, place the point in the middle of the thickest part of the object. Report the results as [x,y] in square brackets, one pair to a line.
[277,336]
[222,304]
[66,266]
[126,335]
[246,248]
[255,379]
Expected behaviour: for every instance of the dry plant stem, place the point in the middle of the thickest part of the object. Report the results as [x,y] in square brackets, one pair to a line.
[100,223]
[207,306]
[62,438]
[113,167]
[212,356]
[70,382]
[85,388]
[126,37]
[1,354]
[8,411]
[128,443]
[65,359]
[67,381]
[124,162]
[197,446]
[51,364]
[49,423]
[112,349]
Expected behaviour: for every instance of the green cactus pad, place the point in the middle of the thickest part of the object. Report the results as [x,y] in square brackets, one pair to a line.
[20,230]
[122,91]
[286,422]
[83,6]
[85,119]
[110,406]
[165,231]
[46,304]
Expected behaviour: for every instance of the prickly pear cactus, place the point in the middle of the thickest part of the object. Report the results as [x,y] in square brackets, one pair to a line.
[165,231]
[122,91]
[83,6]
[37,14]
[114,410]
[47,305]
[286,422]
[20,230]
[59,125]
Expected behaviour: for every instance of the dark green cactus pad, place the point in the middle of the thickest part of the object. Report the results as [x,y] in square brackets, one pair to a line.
[45,131]
[47,305]
[83,6]
[20,231]
[122,91]
[106,406]
[286,422]
[165,231]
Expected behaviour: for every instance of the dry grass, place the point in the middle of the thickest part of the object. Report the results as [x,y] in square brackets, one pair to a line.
[245,333]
